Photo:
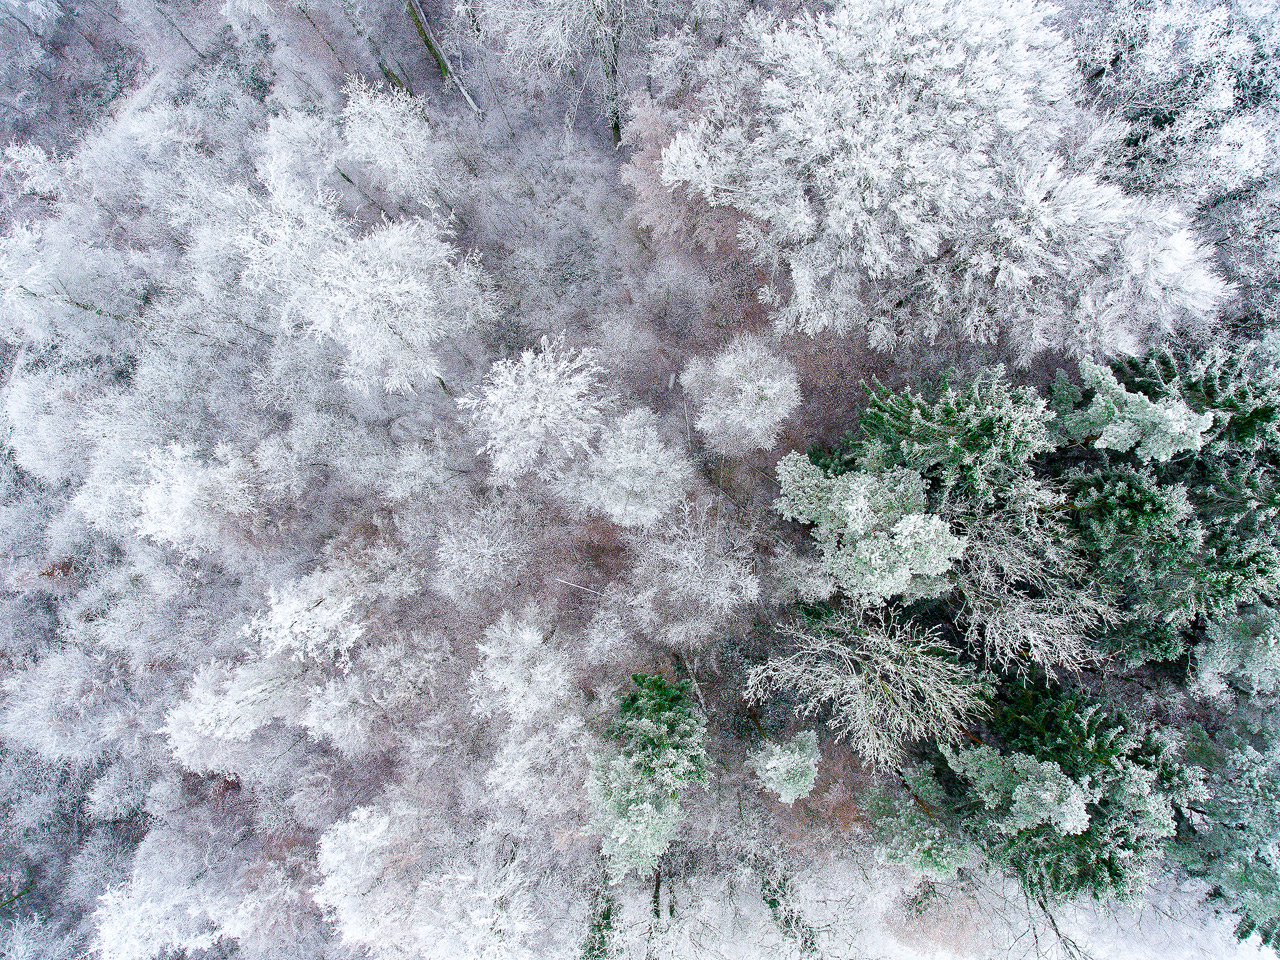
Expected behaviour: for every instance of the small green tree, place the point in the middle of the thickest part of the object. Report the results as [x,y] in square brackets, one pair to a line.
[915,826]
[636,793]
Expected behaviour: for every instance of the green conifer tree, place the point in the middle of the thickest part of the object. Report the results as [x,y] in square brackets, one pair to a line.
[636,793]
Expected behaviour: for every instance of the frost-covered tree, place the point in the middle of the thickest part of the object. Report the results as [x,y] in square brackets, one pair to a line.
[480,549]
[742,396]
[910,167]
[311,664]
[1231,837]
[1078,800]
[874,532]
[565,35]
[1190,79]
[789,769]
[519,675]
[636,792]
[1241,653]
[395,885]
[540,409]
[1021,584]
[34,13]
[544,747]
[1198,86]
[879,684]
[973,442]
[1147,542]
[632,476]
[190,504]
[1185,527]
[694,572]
[915,827]
[1123,420]
[390,298]
[387,133]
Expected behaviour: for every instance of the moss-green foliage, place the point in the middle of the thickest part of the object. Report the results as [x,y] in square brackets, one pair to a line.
[1144,540]
[1077,799]
[971,443]
[661,731]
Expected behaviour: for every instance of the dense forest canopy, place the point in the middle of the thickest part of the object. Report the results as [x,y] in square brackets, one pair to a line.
[576,479]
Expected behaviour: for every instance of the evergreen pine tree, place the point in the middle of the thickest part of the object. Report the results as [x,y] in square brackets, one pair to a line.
[637,790]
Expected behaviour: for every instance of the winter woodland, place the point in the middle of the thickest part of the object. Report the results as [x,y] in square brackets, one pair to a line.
[586,479]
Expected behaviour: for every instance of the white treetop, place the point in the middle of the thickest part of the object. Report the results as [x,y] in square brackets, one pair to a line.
[386,132]
[742,396]
[632,476]
[539,409]
[902,162]
[884,684]
[789,769]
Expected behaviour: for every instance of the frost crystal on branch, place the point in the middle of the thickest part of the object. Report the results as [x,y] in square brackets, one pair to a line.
[1123,420]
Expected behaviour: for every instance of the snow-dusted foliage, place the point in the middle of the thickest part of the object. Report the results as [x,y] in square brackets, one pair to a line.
[884,684]
[636,791]
[742,396]
[694,573]
[876,538]
[632,476]
[789,769]
[1123,420]
[402,549]
[1028,599]
[953,194]
[463,905]
[572,35]
[480,549]
[539,410]
[389,298]
[1232,841]
[387,133]
[1081,800]
[1241,654]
